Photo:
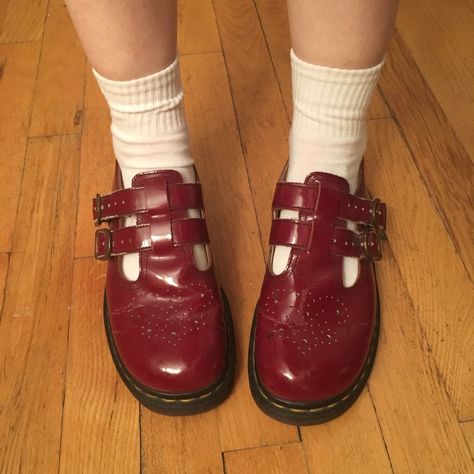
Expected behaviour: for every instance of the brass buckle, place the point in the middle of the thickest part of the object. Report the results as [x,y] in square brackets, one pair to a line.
[366,245]
[106,253]
[373,218]
[373,212]
[98,207]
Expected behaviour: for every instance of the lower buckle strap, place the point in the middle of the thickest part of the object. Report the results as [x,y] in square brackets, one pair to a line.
[139,238]
[365,245]
[292,233]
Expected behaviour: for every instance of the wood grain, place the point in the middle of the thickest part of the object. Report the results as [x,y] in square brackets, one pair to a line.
[442,46]
[4,261]
[425,340]
[57,106]
[100,430]
[444,164]
[3,13]
[432,271]
[468,430]
[333,447]
[23,21]
[418,423]
[261,113]
[282,459]
[197,28]
[19,63]
[180,444]
[34,323]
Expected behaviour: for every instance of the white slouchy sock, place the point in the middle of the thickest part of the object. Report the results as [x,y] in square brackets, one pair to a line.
[149,132]
[328,132]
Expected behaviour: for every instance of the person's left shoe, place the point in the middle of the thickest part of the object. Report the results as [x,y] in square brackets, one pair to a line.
[313,341]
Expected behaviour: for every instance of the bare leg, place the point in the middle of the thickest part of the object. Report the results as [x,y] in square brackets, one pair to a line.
[126,39]
[345,34]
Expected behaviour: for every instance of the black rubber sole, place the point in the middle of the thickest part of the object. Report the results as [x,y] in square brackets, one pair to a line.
[310,413]
[180,404]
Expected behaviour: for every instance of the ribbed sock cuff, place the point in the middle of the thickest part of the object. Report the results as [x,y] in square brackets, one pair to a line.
[159,92]
[331,101]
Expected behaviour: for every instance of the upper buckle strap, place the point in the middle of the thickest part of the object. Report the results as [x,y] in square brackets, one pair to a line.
[363,211]
[295,196]
[125,202]
[365,244]
[112,243]
[291,233]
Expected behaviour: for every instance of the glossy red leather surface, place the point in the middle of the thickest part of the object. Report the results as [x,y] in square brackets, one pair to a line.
[312,334]
[168,325]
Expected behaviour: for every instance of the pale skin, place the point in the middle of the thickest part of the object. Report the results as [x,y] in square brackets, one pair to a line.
[128,39]
[346,34]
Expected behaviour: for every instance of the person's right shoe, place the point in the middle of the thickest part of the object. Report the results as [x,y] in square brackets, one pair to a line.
[313,341]
[170,331]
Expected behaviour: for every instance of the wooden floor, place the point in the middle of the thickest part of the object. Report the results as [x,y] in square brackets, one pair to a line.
[62,406]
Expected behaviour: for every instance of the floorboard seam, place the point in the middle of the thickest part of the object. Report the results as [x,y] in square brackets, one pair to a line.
[242,144]
[272,445]
[413,155]
[380,428]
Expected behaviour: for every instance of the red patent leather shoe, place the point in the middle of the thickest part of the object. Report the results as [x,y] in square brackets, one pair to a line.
[313,340]
[170,331]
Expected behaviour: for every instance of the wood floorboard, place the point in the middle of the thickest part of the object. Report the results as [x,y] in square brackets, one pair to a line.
[57,106]
[19,64]
[4,261]
[23,20]
[442,46]
[436,280]
[35,316]
[285,458]
[100,428]
[444,164]
[425,346]
[468,430]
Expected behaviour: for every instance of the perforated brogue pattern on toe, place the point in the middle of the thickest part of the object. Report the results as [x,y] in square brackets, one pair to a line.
[168,326]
